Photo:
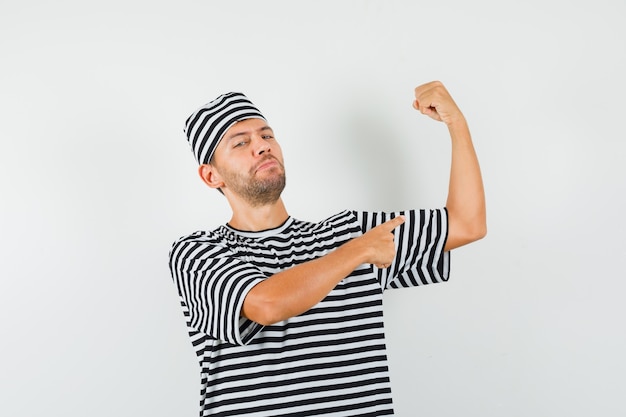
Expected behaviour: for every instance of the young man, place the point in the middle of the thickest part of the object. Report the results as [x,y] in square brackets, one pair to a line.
[286,315]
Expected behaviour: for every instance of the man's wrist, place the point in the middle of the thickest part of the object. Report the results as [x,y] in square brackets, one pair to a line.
[458,125]
[355,251]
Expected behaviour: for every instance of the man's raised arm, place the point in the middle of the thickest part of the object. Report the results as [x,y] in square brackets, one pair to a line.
[466,196]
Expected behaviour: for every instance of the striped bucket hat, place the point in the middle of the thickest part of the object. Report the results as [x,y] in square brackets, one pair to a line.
[208,124]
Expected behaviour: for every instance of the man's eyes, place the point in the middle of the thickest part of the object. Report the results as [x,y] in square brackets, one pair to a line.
[244,142]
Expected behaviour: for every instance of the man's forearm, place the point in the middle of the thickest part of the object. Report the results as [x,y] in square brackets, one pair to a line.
[466,195]
[295,290]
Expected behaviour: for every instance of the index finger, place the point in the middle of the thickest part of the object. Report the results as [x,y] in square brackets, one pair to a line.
[393,223]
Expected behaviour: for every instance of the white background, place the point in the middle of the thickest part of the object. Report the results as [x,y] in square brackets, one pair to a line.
[97,180]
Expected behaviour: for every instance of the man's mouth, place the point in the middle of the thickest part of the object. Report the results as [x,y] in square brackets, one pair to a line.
[266,164]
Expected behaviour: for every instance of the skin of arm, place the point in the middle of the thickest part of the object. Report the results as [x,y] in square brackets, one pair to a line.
[295,290]
[466,196]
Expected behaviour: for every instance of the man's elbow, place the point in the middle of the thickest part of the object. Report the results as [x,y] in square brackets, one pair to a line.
[479,231]
[476,229]
[464,233]
[471,234]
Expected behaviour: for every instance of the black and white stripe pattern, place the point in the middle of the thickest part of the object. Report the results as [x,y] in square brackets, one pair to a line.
[208,124]
[328,361]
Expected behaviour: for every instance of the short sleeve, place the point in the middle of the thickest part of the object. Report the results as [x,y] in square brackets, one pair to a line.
[212,285]
[420,241]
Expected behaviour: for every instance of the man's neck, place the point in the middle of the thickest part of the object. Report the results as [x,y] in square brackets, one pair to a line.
[254,219]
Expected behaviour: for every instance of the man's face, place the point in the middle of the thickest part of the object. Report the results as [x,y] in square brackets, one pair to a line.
[249,161]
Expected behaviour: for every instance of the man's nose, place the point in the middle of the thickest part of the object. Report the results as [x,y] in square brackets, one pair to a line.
[261,146]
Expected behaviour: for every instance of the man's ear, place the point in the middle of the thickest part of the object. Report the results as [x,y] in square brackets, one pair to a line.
[210,176]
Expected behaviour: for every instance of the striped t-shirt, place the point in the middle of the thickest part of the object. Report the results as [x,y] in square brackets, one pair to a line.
[328,361]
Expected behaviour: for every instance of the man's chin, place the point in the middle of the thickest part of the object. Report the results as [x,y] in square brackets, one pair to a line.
[266,190]
[270,175]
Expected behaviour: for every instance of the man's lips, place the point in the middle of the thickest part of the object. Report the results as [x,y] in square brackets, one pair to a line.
[268,163]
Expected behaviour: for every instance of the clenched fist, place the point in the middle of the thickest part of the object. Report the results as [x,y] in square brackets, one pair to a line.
[433,100]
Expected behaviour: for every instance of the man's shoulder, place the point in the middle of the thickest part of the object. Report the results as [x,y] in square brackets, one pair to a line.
[344,223]
[342,217]
[201,238]
[336,221]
